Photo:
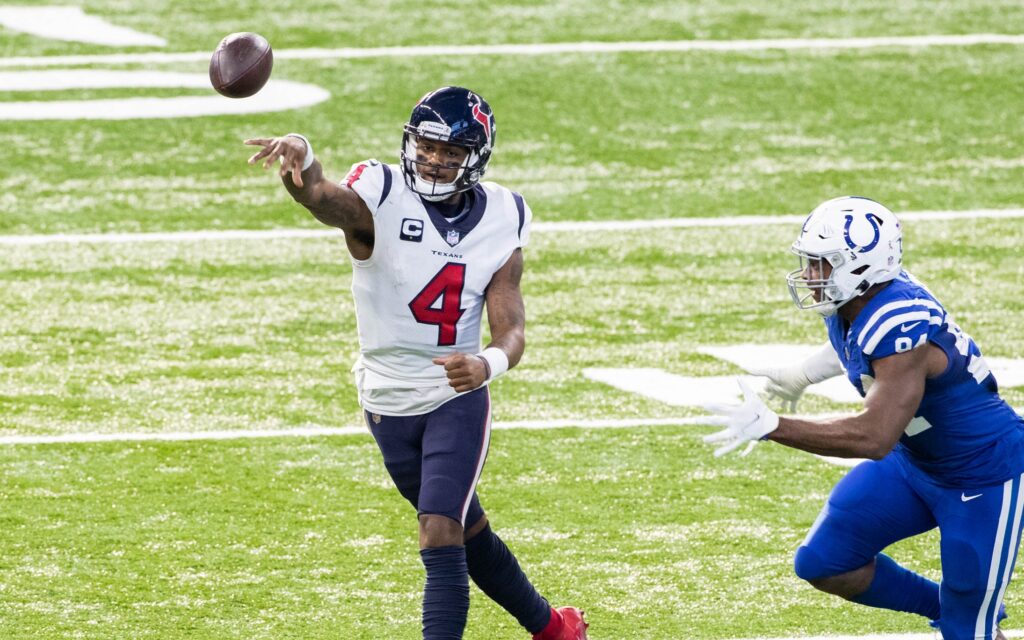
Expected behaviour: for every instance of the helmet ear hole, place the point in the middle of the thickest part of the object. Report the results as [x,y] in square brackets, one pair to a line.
[860,270]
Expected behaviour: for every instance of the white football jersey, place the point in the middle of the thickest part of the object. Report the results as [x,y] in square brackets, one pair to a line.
[420,295]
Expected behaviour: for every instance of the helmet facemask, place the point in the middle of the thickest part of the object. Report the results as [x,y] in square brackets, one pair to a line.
[820,293]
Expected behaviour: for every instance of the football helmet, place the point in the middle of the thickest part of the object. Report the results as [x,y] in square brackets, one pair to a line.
[456,116]
[846,245]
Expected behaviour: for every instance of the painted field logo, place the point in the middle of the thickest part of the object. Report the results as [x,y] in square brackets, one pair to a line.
[696,391]
[69,23]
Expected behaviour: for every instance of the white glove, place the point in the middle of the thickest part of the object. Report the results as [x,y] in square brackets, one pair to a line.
[747,422]
[785,383]
[788,383]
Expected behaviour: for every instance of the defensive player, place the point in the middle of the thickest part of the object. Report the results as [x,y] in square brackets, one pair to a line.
[430,244]
[944,449]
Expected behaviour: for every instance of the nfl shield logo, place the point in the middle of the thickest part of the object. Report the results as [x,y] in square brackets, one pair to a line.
[452,238]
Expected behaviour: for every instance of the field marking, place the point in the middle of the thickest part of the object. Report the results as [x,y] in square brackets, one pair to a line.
[72,24]
[537,227]
[316,432]
[697,391]
[277,95]
[553,48]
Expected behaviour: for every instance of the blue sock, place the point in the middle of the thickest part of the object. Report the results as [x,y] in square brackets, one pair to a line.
[446,593]
[495,570]
[899,589]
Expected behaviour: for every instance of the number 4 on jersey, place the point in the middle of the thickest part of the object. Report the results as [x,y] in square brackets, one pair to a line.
[446,286]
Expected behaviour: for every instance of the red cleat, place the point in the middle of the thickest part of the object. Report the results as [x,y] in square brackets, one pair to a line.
[573,626]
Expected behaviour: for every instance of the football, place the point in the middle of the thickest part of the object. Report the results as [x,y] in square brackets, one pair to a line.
[241,65]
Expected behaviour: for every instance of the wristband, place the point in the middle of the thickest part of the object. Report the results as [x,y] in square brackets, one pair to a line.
[495,360]
[308,161]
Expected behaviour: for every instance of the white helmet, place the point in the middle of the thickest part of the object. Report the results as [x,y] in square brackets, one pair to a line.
[860,240]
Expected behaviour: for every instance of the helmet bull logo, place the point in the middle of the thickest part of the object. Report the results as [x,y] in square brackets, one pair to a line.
[484,119]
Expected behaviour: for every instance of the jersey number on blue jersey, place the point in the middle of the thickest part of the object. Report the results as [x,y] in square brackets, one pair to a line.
[976,364]
[446,286]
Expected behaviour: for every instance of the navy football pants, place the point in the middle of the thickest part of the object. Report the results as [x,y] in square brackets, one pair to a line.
[435,459]
[881,502]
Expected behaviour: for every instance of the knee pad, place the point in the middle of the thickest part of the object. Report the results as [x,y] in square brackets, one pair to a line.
[808,564]
[442,496]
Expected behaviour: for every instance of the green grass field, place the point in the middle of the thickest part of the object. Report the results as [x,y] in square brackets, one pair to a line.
[276,538]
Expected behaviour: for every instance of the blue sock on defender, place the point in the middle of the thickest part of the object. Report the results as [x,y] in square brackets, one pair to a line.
[899,589]
[446,593]
[495,570]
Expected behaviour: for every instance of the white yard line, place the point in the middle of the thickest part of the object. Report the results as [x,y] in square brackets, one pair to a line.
[319,432]
[315,432]
[654,46]
[538,227]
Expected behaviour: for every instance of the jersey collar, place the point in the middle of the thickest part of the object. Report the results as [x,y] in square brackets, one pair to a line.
[454,232]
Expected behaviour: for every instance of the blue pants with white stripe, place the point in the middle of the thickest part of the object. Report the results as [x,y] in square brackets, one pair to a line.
[436,458]
[881,502]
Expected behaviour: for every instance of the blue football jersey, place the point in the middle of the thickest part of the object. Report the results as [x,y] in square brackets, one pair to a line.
[963,433]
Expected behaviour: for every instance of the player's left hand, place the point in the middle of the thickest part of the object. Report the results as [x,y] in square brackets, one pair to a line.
[747,422]
[465,371]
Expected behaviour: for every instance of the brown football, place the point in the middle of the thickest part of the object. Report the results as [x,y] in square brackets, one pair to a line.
[241,65]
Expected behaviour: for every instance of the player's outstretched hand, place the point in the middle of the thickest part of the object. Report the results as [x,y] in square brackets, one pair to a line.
[747,422]
[785,383]
[465,371]
[290,150]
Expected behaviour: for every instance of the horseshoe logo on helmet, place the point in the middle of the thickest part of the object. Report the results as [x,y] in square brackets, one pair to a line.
[874,221]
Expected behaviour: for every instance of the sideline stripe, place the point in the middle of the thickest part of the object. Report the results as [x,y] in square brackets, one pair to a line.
[653,46]
[537,227]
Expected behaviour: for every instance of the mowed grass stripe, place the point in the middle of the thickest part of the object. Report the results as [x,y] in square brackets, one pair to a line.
[743,133]
[224,336]
[308,539]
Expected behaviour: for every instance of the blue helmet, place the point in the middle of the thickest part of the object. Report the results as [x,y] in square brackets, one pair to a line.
[457,116]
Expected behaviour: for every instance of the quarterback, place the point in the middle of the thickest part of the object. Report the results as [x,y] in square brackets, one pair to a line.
[943,448]
[431,246]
